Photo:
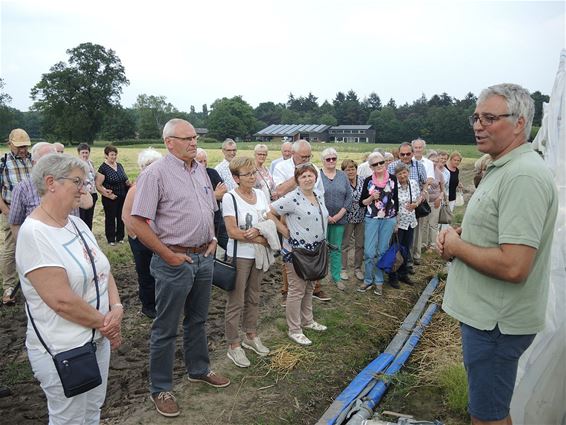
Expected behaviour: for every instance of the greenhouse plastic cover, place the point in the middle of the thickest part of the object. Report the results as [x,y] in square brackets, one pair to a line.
[540,389]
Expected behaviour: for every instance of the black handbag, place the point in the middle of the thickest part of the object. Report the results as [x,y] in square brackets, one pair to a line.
[312,264]
[224,273]
[423,209]
[77,368]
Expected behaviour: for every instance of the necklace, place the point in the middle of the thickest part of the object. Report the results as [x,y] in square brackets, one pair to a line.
[64,226]
[249,196]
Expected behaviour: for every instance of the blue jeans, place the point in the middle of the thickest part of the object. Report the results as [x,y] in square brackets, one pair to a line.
[146,282]
[377,235]
[181,289]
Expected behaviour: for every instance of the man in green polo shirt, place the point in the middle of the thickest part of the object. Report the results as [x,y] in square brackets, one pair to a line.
[498,283]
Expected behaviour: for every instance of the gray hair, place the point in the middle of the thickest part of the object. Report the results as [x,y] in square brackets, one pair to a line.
[300,143]
[147,156]
[388,155]
[519,102]
[374,155]
[417,141]
[260,147]
[328,151]
[401,166]
[201,151]
[286,144]
[56,165]
[40,149]
[169,128]
[432,154]
[228,142]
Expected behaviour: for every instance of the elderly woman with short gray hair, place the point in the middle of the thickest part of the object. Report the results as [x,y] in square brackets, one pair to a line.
[142,254]
[264,180]
[338,201]
[67,300]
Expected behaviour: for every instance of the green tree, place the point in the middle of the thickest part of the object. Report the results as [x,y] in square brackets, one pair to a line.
[232,118]
[387,126]
[269,113]
[74,98]
[152,114]
[118,124]
[539,99]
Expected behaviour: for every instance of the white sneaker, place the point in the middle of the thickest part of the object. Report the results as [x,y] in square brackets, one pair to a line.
[359,275]
[300,339]
[255,345]
[344,275]
[315,326]
[378,290]
[238,356]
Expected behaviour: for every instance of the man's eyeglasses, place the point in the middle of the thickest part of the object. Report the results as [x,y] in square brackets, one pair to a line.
[251,173]
[378,163]
[185,139]
[333,159]
[486,119]
[77,181]
[230,150]
[406,154]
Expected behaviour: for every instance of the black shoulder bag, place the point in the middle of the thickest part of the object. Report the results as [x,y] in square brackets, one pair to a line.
[224,273]
[77,368]
[312,264]
[423,209]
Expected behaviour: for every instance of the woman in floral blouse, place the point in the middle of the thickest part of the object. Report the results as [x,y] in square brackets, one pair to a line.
[410,197]
[380,200]
[355,223]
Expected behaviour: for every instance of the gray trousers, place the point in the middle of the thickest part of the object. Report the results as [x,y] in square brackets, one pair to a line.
[183,289]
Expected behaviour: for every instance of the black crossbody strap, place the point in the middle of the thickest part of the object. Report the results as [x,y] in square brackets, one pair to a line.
[235,241]
[95,283]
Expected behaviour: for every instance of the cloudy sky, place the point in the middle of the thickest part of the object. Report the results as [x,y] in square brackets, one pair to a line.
[265,49]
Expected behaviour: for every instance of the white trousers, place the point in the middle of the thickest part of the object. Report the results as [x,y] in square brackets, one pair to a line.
[82,409]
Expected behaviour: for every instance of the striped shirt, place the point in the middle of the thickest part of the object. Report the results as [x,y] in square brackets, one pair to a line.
[179,202]
[14,170]
[24,200]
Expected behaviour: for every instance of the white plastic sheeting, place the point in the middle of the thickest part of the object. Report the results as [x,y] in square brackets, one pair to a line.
[540,389]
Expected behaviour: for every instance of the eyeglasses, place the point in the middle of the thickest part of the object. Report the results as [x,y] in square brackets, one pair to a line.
[406,154]
[77,181]
[486,119]
[261,154]
[378,163]
[333,159]
[185,139]
[251,173]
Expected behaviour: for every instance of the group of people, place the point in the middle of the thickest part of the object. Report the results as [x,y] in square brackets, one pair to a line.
[179,210]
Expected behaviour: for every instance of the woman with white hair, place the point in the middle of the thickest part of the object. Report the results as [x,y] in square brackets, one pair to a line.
[71,296]
[264,181]
[142,255]
[338,201]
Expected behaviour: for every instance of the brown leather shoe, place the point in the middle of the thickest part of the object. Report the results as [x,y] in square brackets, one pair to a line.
[321,296]
[166,404]
[212,379]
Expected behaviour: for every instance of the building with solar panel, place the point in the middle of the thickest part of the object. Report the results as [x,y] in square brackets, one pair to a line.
[317,133]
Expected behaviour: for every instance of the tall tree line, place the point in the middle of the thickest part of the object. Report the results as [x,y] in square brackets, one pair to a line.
[79,101]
